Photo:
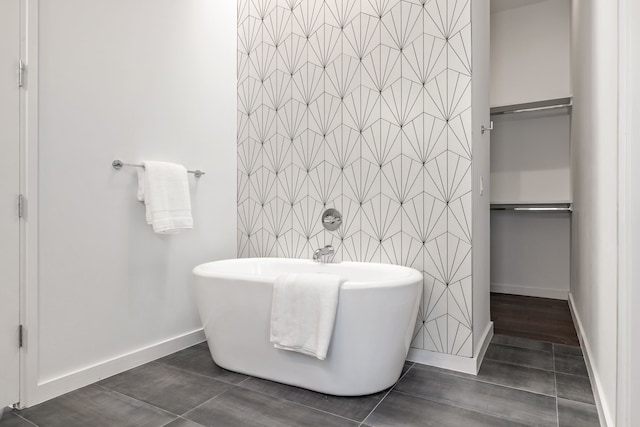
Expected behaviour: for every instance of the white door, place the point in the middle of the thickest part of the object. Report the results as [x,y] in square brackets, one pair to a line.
[9,189]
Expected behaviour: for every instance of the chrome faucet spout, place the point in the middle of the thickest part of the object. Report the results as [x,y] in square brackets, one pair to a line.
[320,254]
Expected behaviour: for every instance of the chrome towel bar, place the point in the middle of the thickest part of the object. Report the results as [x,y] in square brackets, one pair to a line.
[118,164]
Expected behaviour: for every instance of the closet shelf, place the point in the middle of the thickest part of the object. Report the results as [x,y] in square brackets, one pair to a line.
[533,207]
[549,104]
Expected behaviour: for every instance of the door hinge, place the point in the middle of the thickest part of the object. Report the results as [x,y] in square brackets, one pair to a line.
[20,336]
[21,69]
[20,205]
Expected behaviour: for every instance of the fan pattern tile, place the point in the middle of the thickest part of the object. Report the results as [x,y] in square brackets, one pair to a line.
[364,106]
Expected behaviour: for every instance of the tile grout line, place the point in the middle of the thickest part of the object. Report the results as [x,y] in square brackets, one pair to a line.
[483,381]
[453,405]
[200,375]
[25,419]
[244,381]
[555,383]
[231,385]
[521,347]
[530,339]
[180,417]
[296,403]
[208,400]
[502,385]
[518,364]
[387,394]
[136,399]
[376,407]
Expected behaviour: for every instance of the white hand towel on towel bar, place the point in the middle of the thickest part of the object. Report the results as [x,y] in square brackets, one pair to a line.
[164,189]
[303,312]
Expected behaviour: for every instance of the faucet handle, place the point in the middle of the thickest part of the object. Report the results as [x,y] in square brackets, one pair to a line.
[331,219]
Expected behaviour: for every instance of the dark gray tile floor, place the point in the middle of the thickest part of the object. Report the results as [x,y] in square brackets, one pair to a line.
[522,383]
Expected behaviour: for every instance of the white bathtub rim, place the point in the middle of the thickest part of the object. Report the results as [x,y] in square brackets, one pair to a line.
[410,276]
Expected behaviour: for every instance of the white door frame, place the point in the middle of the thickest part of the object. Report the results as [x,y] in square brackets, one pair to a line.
[11,390]
[29,188]
[628,381]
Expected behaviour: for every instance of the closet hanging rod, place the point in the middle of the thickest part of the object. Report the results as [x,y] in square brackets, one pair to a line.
[557,208]
[118,164]
[532,106]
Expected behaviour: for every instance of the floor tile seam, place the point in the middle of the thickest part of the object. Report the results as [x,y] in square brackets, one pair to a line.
[550,324]
[217,395]
[195,373]
[502,309]
[484,381]
[169,422]
[569,354]
[577,356]
[577,401]
[383,398]
[562,351]
[137,400]
[558,340]
[518,364]
[499,307]
[555,385]
[206,401]
[506,385]
[524,348]
[25,419]
[453,405]
[185,419]
[244,381]
[575,376]
[405,374]
[300,404]
[553,331]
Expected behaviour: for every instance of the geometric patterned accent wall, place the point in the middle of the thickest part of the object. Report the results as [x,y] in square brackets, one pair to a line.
[363,106]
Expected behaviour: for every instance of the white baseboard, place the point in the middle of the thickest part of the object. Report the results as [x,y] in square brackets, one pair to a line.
[468,365]
[50,388]
[529,291]
[487,336]
[604,410]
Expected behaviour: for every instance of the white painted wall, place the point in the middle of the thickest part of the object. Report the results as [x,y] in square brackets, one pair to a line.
[482,325]
[628,391]
[530,157]
[531,254]
[530,52]
[150,79]
[595,175]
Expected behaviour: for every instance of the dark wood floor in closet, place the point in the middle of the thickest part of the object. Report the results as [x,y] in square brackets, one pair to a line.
[541,319]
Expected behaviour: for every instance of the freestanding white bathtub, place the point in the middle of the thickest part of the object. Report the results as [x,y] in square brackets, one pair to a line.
[377,310]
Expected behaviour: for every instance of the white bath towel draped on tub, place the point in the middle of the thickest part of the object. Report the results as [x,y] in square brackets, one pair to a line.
[303,312]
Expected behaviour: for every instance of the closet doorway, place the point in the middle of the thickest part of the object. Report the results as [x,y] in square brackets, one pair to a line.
[531,202]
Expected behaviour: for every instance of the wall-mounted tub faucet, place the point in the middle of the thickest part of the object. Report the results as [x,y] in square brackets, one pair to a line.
[320,254]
